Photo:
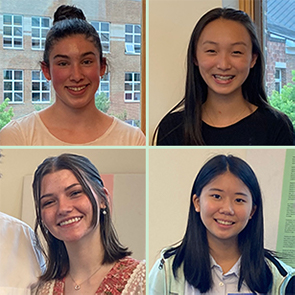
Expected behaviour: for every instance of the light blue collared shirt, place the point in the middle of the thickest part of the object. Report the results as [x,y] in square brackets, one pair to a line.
[223,284]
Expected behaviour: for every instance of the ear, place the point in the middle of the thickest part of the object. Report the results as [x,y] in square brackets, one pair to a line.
[102,203]
[196,202]
[253,211]
[103,67]
[254,58]
[45,70]
[196,62]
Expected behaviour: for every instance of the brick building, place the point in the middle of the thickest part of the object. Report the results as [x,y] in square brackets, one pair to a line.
[23,27]
[280,43]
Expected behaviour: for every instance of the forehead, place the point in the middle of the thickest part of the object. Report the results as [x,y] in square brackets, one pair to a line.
[228,182]
[74,44]
[223,30]
[58,178]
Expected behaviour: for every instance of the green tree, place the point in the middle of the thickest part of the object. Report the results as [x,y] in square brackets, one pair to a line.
[5,114]
[102,102]
[285,101]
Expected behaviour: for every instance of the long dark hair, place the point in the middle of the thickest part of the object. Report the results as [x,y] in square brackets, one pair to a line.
[196,88]
[69,21]
[89,178]
[193,251]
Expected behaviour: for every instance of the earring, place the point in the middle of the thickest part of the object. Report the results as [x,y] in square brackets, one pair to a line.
[103,211]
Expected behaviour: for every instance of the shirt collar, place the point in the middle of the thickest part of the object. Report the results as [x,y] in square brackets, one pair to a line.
[234,270]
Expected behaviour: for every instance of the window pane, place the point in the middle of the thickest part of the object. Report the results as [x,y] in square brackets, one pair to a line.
[18,86]
[7,85]
[18,75]
[105,27]
[137,96]
[35,21]
[18,43]
[45,86]
[18,20]
[36,86]
[128,86]
[45,22]
[128,76]
[128,96]
[35,33]
[7,19]
[7,42]
[45,97]
[8,95]
[128,38]
[137,29]
[35,97]
[129,28]
[7,75]
[18,97]
[7,31]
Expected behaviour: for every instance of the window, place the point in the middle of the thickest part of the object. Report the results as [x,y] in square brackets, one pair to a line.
[104,85]
[13,85]
[12,31]
[103,29]
[40,28]
[132,87]
[132,39]
[40,88]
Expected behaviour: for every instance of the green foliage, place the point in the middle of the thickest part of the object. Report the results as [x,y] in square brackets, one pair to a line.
[5,114]
[102,102]
[285,101]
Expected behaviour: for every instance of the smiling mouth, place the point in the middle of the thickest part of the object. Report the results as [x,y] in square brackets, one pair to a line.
[76,89]
[224,222]
[223,78]
[69,221]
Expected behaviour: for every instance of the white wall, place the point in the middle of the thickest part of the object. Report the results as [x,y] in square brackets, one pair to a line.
[171,23]
[171,175]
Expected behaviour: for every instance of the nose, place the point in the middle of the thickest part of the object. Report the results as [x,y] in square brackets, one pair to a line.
[76,73]
[223,62]
[64,206]
[227,207]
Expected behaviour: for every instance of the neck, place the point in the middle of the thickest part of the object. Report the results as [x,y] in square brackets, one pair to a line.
[222,111]
[225,253]
[85,255]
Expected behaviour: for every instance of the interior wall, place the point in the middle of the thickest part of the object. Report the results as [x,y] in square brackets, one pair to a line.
[128,167]
[170,26]
[171,175]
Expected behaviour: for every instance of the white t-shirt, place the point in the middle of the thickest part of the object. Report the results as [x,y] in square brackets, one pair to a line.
[20,261]
[30,130]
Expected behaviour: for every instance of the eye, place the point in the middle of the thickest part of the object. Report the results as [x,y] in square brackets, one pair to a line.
[237,52]
[210,51]
[62,63]
[76,193]
[87,62]
[240,200]
[216,196]
[47,203]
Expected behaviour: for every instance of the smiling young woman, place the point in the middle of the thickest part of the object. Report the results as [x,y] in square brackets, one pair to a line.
[225,102]
[222,250]
[73,61]
[83,252]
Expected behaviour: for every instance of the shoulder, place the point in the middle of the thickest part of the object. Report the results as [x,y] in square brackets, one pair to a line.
[16,131]
[9,222]
[121,133]
[171,129]
[161,277]
[137,279]
[283,276]
[45,288]
[279,125]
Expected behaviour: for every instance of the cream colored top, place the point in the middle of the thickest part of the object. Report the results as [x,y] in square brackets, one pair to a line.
[30,130]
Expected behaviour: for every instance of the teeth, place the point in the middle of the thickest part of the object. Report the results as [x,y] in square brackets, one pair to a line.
[224,222]
[224,78]
[77,88]
[70,221]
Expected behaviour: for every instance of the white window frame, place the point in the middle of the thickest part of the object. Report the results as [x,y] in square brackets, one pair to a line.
[133,84]
[14,29]
[104,35]
[130,47]
[41,81]
[41,39]
[13,82]
[104,81]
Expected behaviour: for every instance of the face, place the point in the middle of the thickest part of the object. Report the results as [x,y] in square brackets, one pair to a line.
[65,209]
[75,70]
[225,207]
[224,56]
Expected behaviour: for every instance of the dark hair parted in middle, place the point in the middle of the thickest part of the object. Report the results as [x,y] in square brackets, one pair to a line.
[69,21]
[196,89]
[89,178]
[193,251]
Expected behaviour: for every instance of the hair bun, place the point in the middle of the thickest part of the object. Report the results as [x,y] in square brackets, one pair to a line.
[67,12]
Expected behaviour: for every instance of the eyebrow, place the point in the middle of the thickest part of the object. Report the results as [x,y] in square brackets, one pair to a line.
[232,44]
[66,189]
[67,57]
[222,191]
